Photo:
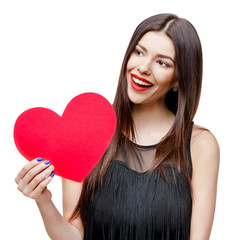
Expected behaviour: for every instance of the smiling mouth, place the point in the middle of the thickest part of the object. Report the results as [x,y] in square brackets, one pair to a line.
[140,84]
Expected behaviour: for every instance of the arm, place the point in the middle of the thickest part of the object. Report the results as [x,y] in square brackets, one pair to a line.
[71,194]
[205,158]
[32,181]
[56,226]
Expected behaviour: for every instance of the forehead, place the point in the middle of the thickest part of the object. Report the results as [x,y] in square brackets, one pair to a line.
[157,42]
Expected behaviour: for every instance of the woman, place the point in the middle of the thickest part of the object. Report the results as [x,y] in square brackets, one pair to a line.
[158,177]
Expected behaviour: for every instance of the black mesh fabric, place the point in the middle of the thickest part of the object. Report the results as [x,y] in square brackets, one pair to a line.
[131,204]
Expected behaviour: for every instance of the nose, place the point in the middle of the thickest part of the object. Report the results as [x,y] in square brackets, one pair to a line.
[144,68]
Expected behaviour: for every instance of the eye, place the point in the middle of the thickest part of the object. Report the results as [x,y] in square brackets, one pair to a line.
[138,52]
[163,63]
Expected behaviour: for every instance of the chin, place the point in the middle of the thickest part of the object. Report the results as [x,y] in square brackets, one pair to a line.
[139,100]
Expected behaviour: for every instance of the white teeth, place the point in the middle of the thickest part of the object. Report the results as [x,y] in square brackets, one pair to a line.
[141,82]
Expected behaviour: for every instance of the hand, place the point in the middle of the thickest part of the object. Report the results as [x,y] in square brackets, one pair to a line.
[33,179]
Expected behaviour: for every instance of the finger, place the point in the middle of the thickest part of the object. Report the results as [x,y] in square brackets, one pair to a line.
[22,183]
[27,167]
[41,186]
[37,180]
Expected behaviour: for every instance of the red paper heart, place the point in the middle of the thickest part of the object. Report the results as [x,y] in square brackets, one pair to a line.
[73,143]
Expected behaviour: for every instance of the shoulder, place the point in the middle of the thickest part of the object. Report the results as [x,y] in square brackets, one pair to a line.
[203,142]
[205,150]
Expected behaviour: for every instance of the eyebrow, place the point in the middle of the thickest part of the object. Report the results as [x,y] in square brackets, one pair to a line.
[158,55]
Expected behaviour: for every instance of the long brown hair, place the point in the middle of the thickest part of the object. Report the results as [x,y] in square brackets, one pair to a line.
[183,104]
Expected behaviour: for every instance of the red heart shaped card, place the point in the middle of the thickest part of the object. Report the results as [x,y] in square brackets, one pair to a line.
[73,142]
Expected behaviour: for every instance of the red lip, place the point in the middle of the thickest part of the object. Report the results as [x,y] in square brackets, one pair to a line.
[140,78]
[138,87]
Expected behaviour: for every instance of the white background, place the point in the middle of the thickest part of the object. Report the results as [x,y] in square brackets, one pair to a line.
[51,51]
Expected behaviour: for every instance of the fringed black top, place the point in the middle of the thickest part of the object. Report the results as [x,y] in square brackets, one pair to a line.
[133,205]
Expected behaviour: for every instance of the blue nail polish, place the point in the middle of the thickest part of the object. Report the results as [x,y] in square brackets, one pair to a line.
[52,174]
[46,162]
[39,159]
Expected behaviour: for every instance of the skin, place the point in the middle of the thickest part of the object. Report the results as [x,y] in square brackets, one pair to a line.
[149,106]
[32,181]
[152,120]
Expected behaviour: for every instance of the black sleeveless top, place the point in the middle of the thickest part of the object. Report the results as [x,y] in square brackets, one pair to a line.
[135,205]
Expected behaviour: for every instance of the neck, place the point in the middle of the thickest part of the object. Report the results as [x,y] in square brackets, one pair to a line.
[152,122]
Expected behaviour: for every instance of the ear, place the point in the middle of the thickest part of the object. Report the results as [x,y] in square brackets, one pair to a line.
[174,82]
[174,85]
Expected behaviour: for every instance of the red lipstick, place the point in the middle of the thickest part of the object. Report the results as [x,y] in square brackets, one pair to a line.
[140,84]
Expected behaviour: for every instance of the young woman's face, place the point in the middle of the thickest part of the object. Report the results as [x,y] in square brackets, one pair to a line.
[150,68]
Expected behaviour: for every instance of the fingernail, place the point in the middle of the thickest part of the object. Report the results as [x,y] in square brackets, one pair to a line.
[39,159]
[51,167]
[52,174]
[46,162]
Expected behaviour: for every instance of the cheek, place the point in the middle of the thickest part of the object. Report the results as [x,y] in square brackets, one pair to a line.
[164,77]
[133,62]
[130,65]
